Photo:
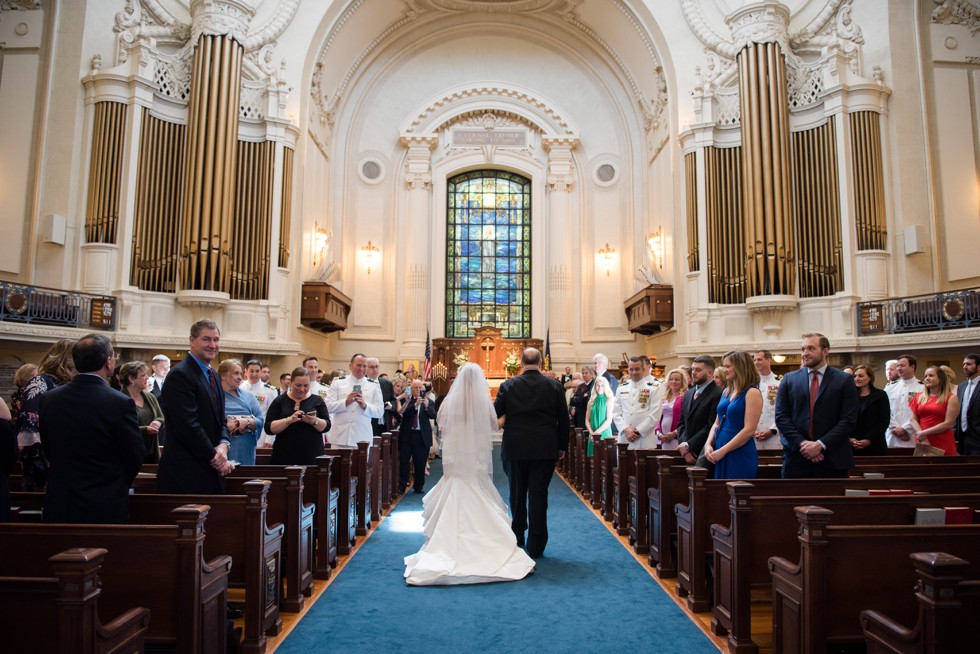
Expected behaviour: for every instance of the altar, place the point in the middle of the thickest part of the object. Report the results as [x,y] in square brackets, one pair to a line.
[486,348]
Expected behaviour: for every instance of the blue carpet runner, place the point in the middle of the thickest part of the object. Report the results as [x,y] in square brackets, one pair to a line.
[588,594]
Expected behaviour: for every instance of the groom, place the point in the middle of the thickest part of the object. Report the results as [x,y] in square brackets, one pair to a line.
[535,417]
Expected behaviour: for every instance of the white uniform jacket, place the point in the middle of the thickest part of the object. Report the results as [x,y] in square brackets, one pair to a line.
[350,424]
[899,395]
[639,406]
[769,385]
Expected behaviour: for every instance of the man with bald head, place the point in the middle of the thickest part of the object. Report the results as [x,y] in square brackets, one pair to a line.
[535,419]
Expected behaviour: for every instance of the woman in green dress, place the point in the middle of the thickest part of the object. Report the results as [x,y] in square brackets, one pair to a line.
[599,413]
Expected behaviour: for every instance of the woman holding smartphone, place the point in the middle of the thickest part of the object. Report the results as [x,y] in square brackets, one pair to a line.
[297,420]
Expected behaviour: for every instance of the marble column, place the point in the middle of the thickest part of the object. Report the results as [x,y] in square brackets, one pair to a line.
[561,175]
[418,239]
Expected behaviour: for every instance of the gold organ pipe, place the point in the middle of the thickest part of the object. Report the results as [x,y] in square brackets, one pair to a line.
[285,212]
[690,169]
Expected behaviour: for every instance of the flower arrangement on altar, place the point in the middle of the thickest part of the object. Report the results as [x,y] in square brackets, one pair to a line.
[512,363]
[461,358]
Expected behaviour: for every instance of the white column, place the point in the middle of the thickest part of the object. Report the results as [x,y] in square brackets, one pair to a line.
[561,175]
[418,239]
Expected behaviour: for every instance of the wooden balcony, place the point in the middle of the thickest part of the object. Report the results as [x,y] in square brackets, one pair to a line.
[651,310]
[324,308]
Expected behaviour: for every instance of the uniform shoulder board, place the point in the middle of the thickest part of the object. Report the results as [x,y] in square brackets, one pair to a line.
[373,381]
[779,378]
[653,383]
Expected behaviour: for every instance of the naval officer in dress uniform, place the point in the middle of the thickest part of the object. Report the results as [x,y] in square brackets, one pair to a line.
[639,403]
[353,402]
[767,435]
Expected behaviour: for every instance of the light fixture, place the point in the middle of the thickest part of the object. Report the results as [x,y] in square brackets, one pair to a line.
[607,254]
[779,358]
[439,371]
[321,242]
[370,253]
[655,242]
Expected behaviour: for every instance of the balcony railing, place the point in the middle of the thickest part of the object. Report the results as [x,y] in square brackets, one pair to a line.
[921,313]
[46,306]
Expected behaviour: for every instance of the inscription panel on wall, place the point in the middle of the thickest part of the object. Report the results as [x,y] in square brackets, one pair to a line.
[508,138]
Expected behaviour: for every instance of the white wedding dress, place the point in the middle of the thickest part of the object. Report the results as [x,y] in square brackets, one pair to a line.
[468,539]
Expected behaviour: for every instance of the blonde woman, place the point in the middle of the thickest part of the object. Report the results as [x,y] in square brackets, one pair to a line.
[934,411]
[677,381]
[731,446]
[599,411]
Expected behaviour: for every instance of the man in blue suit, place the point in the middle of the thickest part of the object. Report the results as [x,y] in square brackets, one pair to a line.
[967,425]
[816,412]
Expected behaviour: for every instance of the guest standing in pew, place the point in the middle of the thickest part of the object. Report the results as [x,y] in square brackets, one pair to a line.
[195,458]
[967,427]
[415,438]
[579,401]
[670,417]
[874,412]
[599,412]
[297,419]
[354,402]
[8,459]
[55,369]
[934,411]
[731,443]
[243,414]
[698,411]
[90,436]
[134,379]
[639,402]
[816,412]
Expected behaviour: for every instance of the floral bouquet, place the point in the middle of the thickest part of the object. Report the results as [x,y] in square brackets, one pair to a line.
[512,363]
[461,358]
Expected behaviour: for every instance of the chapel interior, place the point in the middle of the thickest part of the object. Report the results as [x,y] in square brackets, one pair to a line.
[619,176]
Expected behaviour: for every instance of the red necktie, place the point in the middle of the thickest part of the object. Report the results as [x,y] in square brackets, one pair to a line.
[214,385]
[814,389]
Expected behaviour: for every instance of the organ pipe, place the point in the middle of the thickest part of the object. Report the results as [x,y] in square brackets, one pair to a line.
[869,187]
[285,212]
[691,179]
[765,170]
[725,225]
[108,135]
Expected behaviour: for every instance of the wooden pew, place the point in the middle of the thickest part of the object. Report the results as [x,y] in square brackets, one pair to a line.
[395,459]
[845,569]
[389,469]
[947,607]
[287,504]
[188,602]
[763,526]
[708,504]
[607,465]
[374,460]
[345,479]
[595,474]
[59,612]
[326,519]
[365,477]
[624,464]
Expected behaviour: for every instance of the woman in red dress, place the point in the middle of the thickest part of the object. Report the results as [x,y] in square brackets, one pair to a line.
[934,410]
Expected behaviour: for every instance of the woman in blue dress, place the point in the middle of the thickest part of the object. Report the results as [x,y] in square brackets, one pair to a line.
[731,446]
[242,414]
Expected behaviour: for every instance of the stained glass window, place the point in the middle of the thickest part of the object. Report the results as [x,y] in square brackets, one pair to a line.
[488,258]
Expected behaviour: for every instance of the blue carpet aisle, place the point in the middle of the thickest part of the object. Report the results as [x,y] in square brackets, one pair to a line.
[586,579]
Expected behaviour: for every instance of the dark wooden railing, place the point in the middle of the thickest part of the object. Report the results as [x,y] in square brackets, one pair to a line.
[46,306]
[920,313]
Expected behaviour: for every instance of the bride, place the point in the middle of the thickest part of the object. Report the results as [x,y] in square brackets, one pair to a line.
[468,539]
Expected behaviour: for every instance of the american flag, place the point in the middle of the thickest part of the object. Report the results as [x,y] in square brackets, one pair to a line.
[427,366]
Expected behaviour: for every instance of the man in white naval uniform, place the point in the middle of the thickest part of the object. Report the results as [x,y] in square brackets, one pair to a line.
[639,404]
[254,385]
[903,391]
[767,436]
[312,366]
[353,402]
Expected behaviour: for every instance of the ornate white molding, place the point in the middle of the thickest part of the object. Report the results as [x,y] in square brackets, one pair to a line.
[418,163]
[221,18]
[957,12]
[760,22]
[19,5]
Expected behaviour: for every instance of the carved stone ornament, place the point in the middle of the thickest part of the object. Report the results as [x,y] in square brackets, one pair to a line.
[957,12]
[221,17]
[22,5]
[761,22]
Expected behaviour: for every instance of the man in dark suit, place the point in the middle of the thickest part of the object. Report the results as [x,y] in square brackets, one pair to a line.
[816,412]
[535,419]
[90,435]
[416,435]
[967,425]
[382,424]
[699,409]
[195,459]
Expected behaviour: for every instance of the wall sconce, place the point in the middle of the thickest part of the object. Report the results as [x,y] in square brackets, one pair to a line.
[321,242]
[370,252]
[606,255]
[655,242]
[779,358]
